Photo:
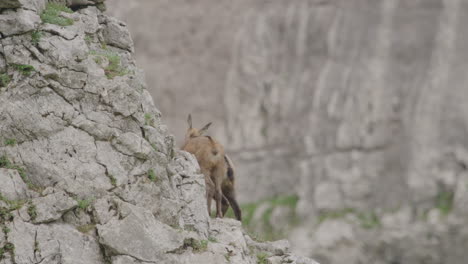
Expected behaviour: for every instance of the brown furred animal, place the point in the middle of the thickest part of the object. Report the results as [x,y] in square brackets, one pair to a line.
[210,156]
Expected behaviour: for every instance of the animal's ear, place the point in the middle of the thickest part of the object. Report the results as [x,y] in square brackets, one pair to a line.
[205,128]
[189,120]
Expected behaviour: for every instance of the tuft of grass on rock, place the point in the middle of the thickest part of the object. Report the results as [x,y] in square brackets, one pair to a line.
[113,180]
[262,258]
[52,15]
[32,212]
[4,79]
[148,119]
[25,69]
[444,201]
[88,38]
[83,204]
[114,67]
[152,175]
[196,245]
[6,230]
[36,37]
[10,141]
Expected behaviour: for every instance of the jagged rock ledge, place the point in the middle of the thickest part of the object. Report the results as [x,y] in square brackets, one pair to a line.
[89,173]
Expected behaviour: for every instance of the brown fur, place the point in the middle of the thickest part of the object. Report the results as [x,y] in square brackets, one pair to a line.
[210,156]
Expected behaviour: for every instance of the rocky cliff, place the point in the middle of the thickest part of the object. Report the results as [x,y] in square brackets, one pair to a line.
[88,171]
[358,106]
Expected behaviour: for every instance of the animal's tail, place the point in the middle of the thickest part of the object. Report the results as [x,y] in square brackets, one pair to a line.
[230,169]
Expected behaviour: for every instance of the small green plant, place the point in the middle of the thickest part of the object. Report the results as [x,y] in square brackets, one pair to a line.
[25,69]
[152,175]
[52,15]
[6,230]
[212,239]
[262,258]
[10,141]
[444,202]
[98,60]
[32,211]
[149,121]
[4,79]
[88,38]
[36,37]
[154,147]
[113,68]
[197,246]
[16,204]
[113,180]
[368,220]
[5,162]
[83,204]
[5,215]
[9,247]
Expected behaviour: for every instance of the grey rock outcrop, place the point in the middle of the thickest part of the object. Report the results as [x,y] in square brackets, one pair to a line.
[89,173]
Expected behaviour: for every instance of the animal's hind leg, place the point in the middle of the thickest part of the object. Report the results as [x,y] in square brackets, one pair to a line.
[218,176]
[230,196]
[210,191]
[235,206]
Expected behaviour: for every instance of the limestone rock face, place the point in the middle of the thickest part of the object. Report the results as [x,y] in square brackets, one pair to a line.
[89,173]
[358,106]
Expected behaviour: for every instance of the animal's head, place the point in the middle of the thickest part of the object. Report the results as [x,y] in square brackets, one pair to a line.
[195,132]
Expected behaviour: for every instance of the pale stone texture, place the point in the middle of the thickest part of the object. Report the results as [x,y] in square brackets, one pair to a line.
[88,136]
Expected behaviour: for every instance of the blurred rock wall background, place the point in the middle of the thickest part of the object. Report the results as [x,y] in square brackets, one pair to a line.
[357,106]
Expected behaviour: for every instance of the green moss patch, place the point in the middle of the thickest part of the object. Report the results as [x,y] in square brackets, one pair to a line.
[36,37]
[25,69]
[114,67]
[52,15]
[4,79]
[444,202]
[152,175]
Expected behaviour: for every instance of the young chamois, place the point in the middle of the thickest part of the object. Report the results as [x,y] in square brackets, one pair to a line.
[228,181]
[210,156]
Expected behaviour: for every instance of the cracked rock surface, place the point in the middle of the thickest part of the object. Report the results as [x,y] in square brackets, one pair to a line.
[88,171]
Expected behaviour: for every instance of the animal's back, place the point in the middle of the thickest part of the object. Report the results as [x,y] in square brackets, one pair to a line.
[207,151]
